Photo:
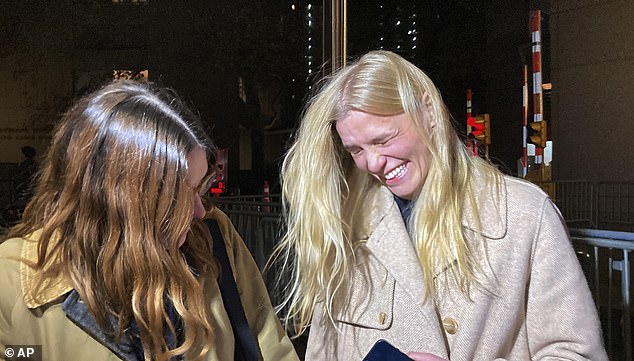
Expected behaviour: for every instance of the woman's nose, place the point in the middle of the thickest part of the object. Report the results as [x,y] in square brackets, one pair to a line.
[375,162]
[199,209]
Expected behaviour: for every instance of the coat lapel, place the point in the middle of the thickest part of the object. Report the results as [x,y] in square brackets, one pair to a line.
[78,312]
[391,245]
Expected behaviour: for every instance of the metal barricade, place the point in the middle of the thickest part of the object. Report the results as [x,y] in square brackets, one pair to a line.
[575,200]
[604,254]
[257,219]
[615,208]
[604,205]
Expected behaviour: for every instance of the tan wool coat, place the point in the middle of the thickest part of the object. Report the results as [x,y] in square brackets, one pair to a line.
[533,305]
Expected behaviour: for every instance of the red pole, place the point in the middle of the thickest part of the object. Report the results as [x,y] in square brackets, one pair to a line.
[472,144]
[536,17]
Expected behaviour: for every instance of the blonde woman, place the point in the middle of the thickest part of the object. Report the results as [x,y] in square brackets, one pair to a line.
[111,260]
[395,232]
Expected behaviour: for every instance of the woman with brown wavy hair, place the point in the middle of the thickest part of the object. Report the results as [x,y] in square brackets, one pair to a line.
[111,259]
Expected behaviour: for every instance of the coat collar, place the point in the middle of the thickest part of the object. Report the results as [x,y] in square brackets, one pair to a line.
[491,201]
[78,312]
[53,288]
[392,245]
[59,289]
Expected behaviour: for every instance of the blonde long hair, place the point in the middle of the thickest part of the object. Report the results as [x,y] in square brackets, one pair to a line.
[327,199]
[113,204]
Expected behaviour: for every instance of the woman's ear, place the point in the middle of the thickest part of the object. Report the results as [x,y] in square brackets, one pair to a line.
[429,112]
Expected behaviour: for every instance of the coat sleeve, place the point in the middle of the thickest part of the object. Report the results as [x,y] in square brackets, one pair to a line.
[8,286]
[266,326]
[562,320]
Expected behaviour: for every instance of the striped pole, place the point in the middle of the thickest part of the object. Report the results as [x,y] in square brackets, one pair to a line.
[535,21]
[525,122]
[472,146]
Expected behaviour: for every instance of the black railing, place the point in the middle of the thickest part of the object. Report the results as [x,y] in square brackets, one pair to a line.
[603,205]
[605,258]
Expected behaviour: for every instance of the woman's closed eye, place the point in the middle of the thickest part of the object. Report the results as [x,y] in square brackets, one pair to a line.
[354,151]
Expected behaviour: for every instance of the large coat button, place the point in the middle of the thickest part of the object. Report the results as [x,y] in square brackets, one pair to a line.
[450,325]
[382,317]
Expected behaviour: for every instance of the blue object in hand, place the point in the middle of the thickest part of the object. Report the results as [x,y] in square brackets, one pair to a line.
[385,351]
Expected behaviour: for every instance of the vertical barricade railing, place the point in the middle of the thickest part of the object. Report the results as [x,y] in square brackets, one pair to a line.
[603,205]
[256,220]
[615,206]
[575,199]
[611,249]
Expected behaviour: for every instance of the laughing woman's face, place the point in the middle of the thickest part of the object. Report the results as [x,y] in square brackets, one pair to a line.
[389,148]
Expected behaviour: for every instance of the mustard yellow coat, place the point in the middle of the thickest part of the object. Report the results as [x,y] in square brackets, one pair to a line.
[25,322]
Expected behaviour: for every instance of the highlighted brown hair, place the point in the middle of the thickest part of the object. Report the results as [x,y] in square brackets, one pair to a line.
[113,203]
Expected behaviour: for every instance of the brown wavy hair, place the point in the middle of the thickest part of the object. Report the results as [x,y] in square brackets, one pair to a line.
[113,203]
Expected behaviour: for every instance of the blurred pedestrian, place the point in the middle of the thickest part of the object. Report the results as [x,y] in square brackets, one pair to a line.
[22,181]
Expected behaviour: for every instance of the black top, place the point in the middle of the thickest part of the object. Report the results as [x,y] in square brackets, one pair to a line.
[405,206]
